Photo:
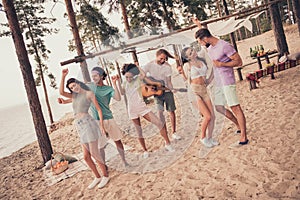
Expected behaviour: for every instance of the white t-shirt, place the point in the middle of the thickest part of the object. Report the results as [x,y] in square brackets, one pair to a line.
[158,72]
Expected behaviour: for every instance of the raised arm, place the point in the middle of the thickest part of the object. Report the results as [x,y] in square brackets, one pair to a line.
[116,80]
[62,82]
[142,72]
[197,22]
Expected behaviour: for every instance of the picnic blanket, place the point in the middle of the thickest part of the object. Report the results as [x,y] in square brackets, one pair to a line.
[80,165]
[74,168]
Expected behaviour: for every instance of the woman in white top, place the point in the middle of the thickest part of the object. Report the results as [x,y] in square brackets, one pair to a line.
[137,107]
[195,72]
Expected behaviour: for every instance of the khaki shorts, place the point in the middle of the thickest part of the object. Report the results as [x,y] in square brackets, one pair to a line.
[226,95]
[113,130]
[200,90]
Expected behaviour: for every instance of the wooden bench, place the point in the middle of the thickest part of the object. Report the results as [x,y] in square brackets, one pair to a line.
[254,77]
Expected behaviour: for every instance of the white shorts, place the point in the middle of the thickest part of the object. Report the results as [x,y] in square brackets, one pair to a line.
[226,95]
[138,111]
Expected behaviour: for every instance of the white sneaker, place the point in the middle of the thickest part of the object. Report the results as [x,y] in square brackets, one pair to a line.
[169,148]
[103,182]
[206,142]
[176,137]
[213,142]
[145,154]
[94,183]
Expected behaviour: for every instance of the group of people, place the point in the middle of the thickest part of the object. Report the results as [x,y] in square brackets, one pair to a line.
[199,71]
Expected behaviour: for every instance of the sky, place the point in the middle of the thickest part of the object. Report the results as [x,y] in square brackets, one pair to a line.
[11,80]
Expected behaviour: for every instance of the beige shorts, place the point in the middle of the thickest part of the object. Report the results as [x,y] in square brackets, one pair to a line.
[200,90]
[113,130]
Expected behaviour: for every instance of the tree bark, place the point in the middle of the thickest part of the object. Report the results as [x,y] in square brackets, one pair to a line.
[296,10]
[78,43]
[26,69]
[277,27]
[232,39]
[127,28]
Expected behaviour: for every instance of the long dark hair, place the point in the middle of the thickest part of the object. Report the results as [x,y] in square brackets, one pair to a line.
[81,84]
[184,56]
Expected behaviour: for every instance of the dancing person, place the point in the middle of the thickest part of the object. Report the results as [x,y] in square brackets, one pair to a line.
[137,107]
[161,70]
[103,94]
[92,135]
[196,71]
[224,57]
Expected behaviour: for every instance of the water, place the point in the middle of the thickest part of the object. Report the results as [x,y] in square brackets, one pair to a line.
[17,129]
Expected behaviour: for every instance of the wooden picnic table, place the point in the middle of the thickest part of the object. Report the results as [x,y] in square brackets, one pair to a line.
[266,56]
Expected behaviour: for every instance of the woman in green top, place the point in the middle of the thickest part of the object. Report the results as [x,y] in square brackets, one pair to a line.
[104,93]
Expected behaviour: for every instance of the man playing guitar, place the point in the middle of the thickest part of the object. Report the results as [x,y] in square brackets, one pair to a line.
[160,70]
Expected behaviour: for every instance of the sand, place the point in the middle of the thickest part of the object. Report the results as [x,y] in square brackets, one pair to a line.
[267,168]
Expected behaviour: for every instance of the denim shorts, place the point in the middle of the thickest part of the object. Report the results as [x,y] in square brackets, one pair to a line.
[89,131]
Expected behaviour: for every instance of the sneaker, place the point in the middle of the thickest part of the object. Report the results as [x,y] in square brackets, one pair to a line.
[206,142]
[145,154]
[213,141]
[176,137]
[237,132]
[169,148]
[238,144]
[103,182]
[94,183]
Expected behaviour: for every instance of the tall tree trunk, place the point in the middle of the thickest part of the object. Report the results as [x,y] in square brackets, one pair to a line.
[32,95]
[219,8]
[277,27]
[78,43]
[290,11]
[127,27]
[171,28]
[41,71]
[125,18]
[296,9]
[232,39]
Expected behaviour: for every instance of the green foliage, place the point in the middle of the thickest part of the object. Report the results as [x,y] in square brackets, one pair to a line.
[94,28]
[35,27]
[265,25]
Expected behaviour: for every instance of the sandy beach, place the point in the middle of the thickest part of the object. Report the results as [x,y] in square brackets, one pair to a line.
[267,168]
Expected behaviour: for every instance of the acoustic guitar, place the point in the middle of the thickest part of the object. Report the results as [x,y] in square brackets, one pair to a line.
[152,87]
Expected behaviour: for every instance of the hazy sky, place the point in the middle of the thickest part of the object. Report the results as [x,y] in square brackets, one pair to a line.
[11,80]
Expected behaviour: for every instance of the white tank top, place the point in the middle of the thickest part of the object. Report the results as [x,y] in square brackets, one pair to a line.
[197,72]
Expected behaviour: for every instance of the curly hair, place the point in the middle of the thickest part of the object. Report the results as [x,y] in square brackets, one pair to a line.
[132,68]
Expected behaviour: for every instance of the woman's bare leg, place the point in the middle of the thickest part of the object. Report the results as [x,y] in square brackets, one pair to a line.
[88,159]
[151,117]
[137,124]
[204,110]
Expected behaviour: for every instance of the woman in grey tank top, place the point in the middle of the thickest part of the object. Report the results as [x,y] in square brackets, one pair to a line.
[92,135]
